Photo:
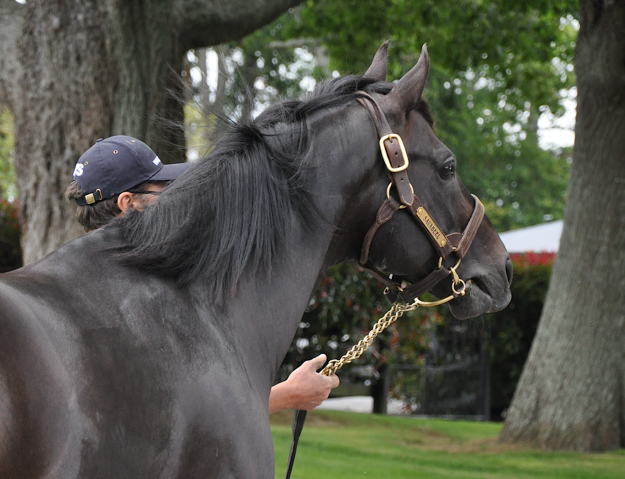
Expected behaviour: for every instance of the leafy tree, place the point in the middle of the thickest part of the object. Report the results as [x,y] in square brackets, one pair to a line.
[499,158]
[495,65]
[488,84]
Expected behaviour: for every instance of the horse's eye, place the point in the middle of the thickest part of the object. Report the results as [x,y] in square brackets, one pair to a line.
[447,171]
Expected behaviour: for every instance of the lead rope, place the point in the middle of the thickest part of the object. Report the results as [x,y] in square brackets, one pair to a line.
[392,315]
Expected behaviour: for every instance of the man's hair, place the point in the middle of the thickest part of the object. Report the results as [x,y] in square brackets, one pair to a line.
[94,216]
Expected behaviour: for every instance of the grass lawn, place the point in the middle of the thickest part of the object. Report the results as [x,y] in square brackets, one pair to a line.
[345,445]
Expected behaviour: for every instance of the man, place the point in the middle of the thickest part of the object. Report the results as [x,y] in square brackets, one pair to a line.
[122,173]
[116,175]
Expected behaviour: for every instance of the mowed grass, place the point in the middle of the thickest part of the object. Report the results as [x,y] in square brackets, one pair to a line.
[346,445]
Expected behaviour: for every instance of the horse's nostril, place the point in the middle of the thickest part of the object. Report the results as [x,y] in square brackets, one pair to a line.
[509,270]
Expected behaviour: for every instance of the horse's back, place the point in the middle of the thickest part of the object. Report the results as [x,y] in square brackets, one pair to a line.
[108,372]
[66,410]
[37,419]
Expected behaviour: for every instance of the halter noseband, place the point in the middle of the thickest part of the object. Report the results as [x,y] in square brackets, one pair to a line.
[396,161]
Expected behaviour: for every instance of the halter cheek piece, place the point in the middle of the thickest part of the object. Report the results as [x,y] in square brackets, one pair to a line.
[396,161]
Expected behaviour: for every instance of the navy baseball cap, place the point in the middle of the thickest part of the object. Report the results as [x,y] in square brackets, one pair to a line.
[117,164]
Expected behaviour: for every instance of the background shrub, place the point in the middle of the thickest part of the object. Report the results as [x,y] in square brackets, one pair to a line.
[512,330]
[10,252]
[348,302]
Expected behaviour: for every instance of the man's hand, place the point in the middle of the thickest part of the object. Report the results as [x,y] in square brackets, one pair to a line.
[304,389]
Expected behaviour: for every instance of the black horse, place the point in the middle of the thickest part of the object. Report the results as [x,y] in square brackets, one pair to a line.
[147,349]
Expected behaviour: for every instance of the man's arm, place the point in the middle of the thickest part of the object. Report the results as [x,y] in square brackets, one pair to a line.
[304,389]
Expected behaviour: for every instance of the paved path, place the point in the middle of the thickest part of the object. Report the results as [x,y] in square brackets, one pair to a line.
[359,404]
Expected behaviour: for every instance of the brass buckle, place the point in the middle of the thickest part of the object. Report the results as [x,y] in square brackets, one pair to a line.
[90,198]
[389,167]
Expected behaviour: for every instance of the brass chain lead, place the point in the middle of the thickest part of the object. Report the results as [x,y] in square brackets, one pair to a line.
[396,311]
[392,315]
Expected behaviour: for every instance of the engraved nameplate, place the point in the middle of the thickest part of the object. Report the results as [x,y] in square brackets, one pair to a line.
[429,224]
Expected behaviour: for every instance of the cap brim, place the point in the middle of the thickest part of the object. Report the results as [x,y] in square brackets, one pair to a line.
[170,172]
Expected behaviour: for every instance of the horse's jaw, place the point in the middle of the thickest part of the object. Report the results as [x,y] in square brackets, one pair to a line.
[479,298]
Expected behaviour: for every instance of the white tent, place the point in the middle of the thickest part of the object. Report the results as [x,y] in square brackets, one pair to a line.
[539,238]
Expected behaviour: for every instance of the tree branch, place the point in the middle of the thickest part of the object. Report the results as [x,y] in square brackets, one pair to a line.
[11,22]
[205,23]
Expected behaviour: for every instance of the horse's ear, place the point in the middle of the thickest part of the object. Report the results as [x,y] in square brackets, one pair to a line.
[408,90]
[377,69]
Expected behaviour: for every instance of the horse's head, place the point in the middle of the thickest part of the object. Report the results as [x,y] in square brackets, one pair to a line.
[426,234]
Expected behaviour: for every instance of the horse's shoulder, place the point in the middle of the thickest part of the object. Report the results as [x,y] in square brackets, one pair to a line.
[98,245]
[78,256]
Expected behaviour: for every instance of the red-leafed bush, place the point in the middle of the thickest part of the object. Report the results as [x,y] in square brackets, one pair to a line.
[523,260]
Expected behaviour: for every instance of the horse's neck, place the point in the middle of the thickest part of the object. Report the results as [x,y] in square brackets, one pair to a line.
[269,309]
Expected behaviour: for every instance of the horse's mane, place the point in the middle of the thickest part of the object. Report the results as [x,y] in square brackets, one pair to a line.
[234,209]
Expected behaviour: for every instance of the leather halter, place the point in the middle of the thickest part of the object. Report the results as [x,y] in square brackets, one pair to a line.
[396,161]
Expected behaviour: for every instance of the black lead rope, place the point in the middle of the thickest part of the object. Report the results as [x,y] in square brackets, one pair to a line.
[299,417]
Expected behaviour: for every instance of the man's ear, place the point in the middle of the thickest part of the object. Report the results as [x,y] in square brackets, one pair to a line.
[126,201]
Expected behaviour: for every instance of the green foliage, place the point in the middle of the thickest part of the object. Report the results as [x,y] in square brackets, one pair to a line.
[10,252]
[495,66]
[8,189]
[515,41]
[498,155]
[344,445]
[512,330]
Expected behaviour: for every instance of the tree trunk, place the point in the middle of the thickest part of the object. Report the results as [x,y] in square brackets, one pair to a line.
[75,71]
[65,103]
[571,394]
